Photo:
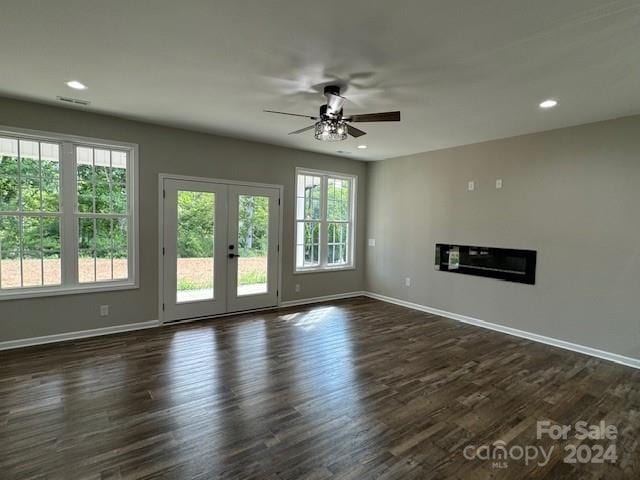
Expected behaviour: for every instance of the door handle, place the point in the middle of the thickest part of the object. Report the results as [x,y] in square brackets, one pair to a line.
[233,255]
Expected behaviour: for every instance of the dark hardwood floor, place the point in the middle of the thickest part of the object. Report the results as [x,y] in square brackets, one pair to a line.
[354,389]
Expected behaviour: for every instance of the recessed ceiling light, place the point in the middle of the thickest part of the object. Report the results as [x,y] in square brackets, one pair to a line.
[548,103]
[362,147]
[75,84]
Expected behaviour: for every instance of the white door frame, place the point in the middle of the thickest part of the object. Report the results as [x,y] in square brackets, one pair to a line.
[168,176]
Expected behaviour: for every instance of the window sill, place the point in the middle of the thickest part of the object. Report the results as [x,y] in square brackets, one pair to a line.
[324,270]
[66,290]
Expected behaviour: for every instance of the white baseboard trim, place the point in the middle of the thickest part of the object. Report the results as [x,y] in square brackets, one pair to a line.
[63,337]
[326,298]
[96,332]
[613,357]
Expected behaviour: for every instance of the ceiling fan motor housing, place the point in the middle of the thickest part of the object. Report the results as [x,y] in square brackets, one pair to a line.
[325,114]
[332,89]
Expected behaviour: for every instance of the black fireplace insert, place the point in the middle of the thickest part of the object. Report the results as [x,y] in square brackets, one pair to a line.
[507,264]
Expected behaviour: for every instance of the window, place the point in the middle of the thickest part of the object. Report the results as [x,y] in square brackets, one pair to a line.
[324,220]
[66,214]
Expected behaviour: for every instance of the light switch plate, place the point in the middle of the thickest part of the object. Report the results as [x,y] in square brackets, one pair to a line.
[471,186]
[372,242]
[498,183]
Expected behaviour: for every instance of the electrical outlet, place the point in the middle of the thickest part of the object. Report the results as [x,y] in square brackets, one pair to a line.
[372,242]
[498,183]
[471,186]
[104,310]
[407,282]
[297,287]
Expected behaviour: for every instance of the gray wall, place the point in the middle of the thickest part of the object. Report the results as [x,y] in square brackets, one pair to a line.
[571,194]
[169,150]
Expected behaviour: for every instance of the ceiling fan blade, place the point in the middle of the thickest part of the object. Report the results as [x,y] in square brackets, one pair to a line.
[355,132]
[334,102]
[292,114]
[375,117]
[302,130]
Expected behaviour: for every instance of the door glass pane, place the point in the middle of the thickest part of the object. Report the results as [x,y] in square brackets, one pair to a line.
[195,246]
[253,244]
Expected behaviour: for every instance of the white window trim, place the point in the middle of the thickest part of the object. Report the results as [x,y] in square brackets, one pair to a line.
[323,267]
[68,224]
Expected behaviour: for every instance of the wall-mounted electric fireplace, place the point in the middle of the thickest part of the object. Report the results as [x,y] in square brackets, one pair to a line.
[502,263]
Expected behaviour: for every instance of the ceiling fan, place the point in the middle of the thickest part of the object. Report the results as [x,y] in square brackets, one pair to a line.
[331,125]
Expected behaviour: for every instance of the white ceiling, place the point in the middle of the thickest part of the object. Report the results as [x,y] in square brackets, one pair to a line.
[461,71]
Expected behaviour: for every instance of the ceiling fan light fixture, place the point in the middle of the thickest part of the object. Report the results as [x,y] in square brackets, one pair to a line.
[330,130]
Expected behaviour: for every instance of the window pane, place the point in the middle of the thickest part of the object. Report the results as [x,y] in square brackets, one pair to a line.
[102,180]
[118,167]
[119,198]
[102,162]
[85,170]
[253,244]
[52,274]
[31,252]
[86,253]
[10,275]
[103,249]
[8,174]
[118,182]
[84,156]
[85,177]
[120,249]
[308,198]
[85,198]
[308,244]
[338,199]
[311,244]
[29,159]
[8,190]
[337,240]
[195,246]
[50,167]
[102,159]
[9,154]
[50,188]
[30,192]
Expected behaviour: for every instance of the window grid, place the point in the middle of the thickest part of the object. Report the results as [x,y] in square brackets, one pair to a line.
[15,214]
[332,246]
[37,218]
[338,243]
[99,216]
[308,216]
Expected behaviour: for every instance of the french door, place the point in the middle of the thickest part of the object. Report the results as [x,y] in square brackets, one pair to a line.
[221,249]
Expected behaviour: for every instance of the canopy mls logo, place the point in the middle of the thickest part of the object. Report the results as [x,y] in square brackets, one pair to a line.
[500,454]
